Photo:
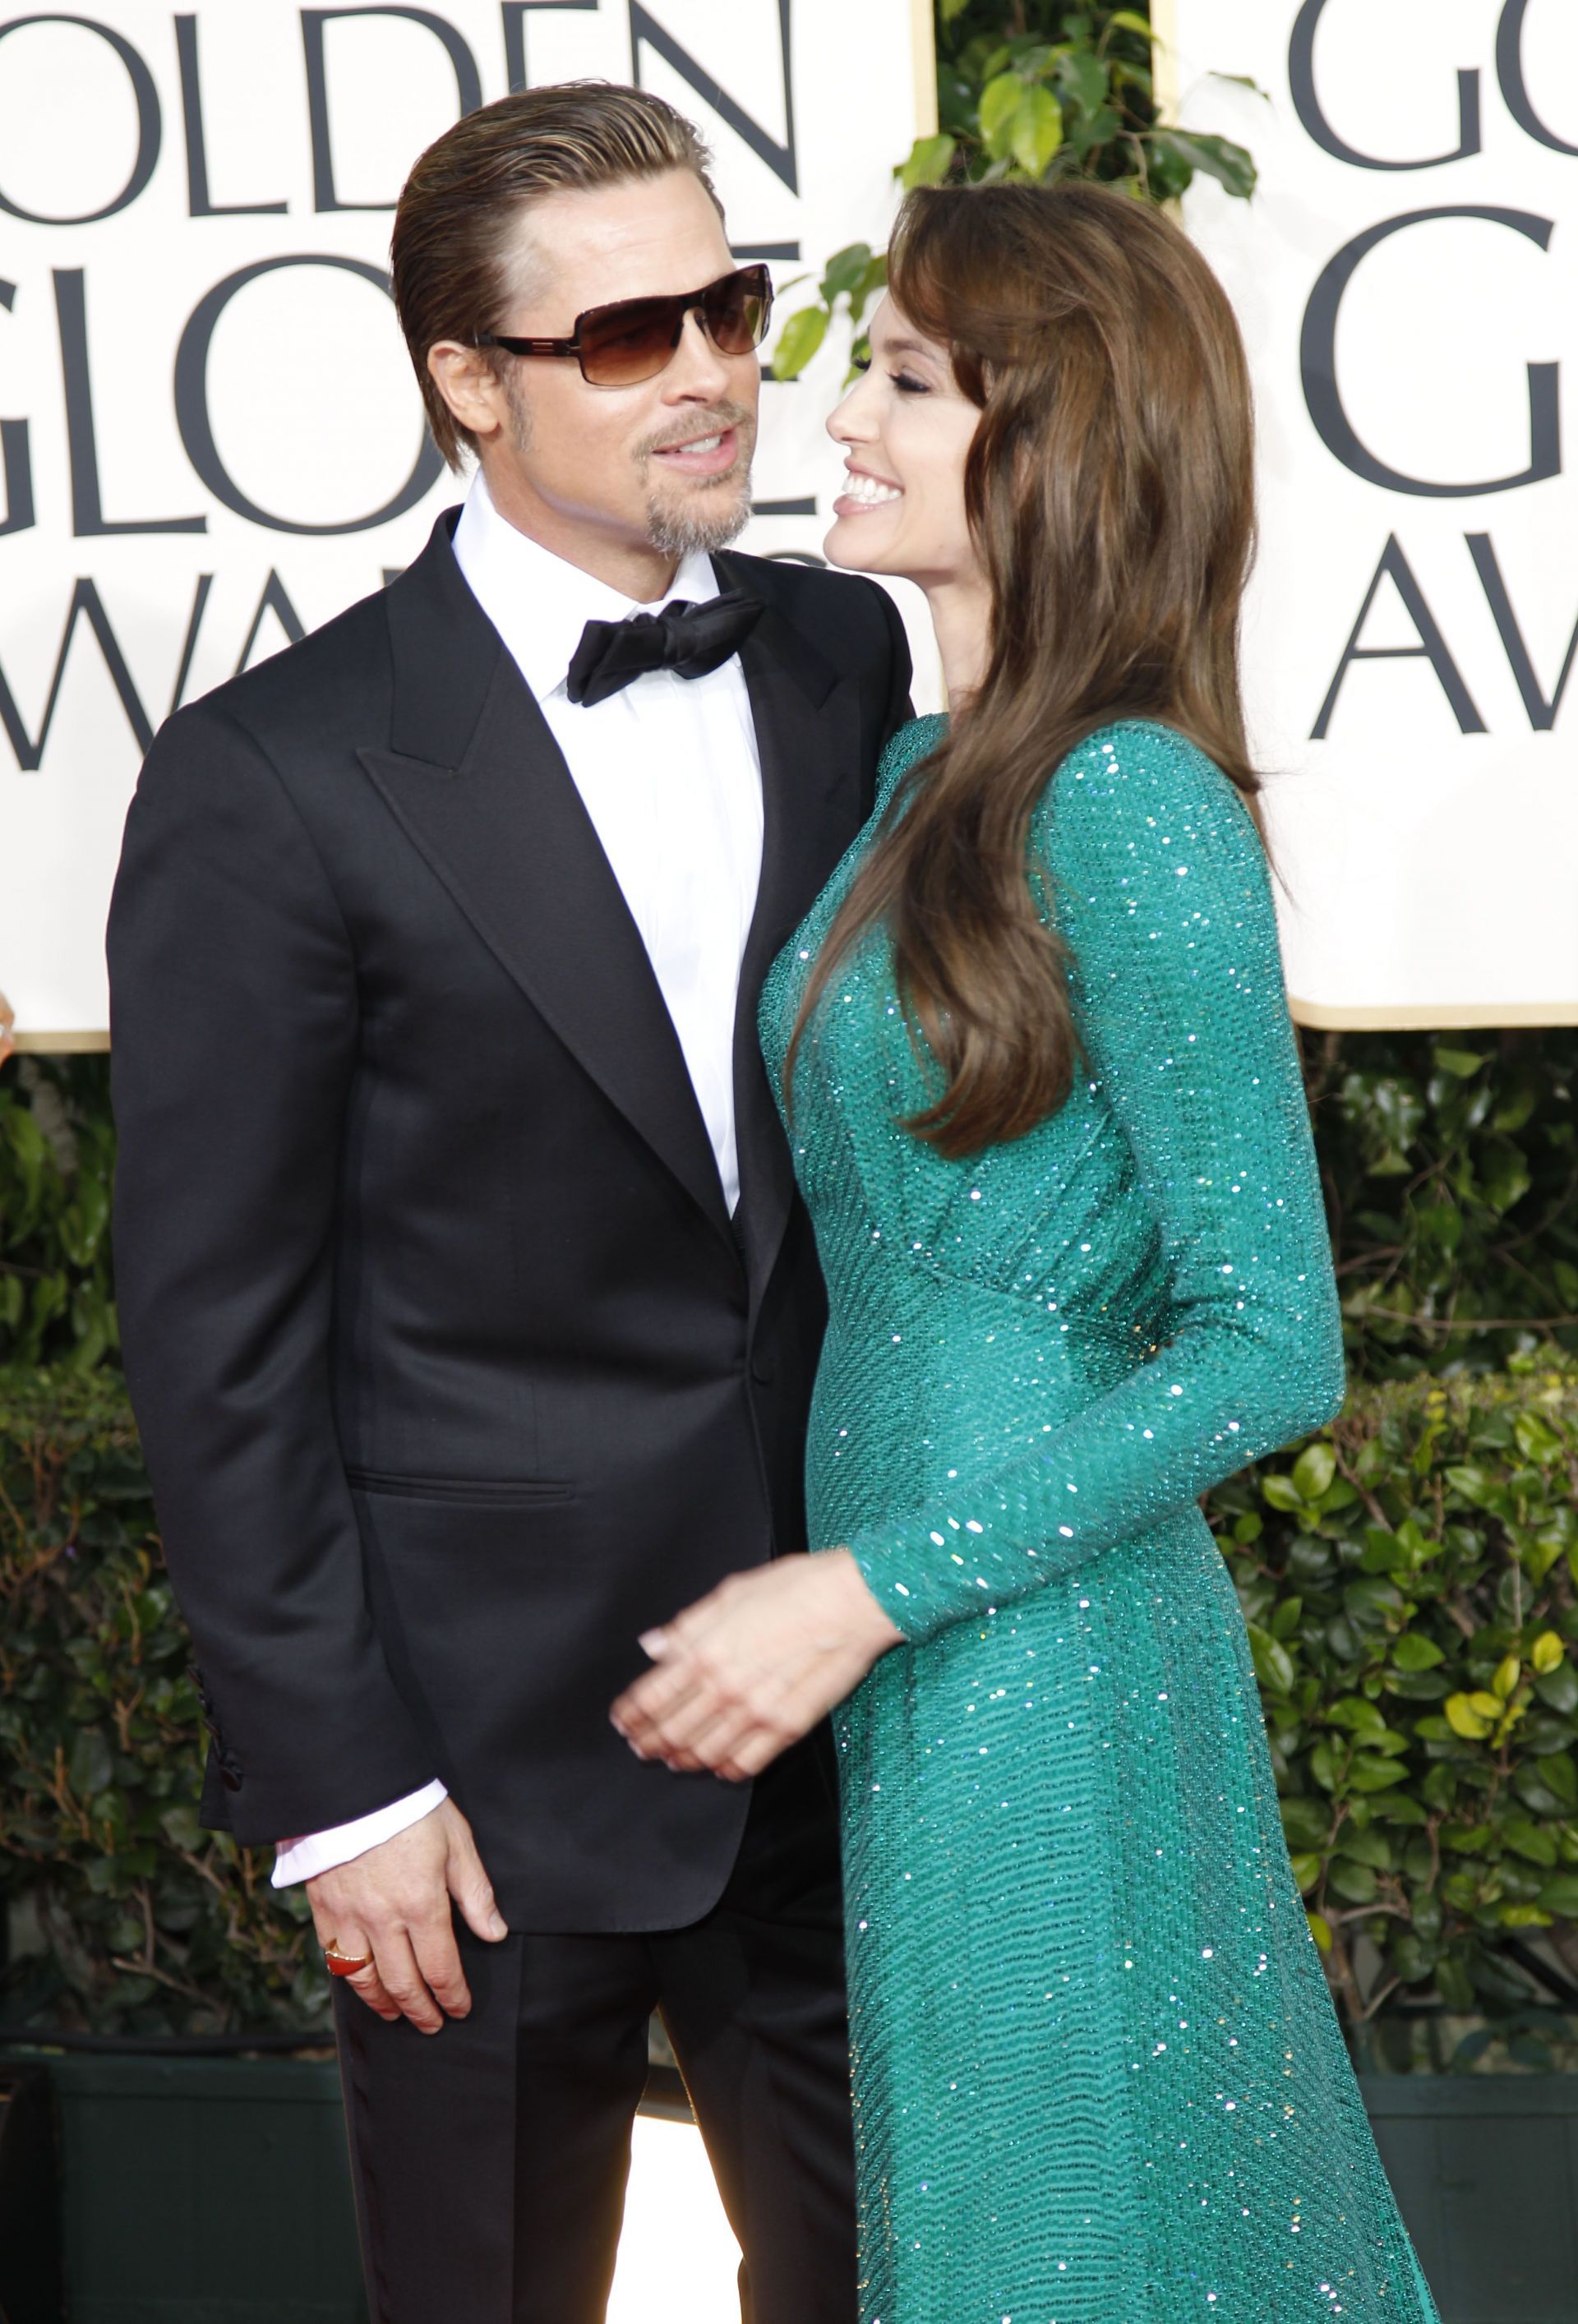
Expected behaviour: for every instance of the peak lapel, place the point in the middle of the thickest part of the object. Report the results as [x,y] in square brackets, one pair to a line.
[481,788]
[807,734]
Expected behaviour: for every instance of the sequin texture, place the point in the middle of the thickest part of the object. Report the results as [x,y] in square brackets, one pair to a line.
[1098,2078]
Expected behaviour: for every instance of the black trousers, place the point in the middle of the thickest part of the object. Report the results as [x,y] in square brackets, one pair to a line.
[490,2158]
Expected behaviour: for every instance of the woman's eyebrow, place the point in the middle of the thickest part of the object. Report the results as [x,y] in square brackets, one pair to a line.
[908,347]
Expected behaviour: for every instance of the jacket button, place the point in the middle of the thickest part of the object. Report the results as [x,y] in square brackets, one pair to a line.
[763,1366]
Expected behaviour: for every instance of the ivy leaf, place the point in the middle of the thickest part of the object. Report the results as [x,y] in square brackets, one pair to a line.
[1536,1439]
[1286,1620]
[1530,1840]
[844,271]
[1506,1676]
[1560,1895]
[1414,1652]
[1305,1822]
[1372,1848]
[951,8]
[1243,80]
[1213,157]
[1307,1870]
[1037,132]
[1314,1470]
[798,341]
[1273,1663]
[1123,20]
[1000,105]
[930,159]
[1354,1883]
[91,1768]
[1358,1714]
[1371,1774]
[1463,1064]
[1504,1176]
[1464,1719]
[1085,78]
[1320,1929]
[1546,1653]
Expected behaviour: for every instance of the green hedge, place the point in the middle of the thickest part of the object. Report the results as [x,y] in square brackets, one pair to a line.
[123,1917]
[1450,1164]
[1408,1581]
[1408,1578]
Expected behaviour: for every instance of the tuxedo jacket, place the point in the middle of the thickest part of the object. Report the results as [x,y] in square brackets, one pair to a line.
[453,1373]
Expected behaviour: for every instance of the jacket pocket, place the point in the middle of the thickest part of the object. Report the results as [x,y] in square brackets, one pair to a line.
[462,1492]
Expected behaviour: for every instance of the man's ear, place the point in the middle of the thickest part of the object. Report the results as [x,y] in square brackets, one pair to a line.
[471,387]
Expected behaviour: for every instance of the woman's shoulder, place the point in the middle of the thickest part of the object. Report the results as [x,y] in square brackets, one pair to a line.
[1139,787]
[909,743]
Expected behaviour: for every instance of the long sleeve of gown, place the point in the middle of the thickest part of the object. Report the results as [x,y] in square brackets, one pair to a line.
[1160,890]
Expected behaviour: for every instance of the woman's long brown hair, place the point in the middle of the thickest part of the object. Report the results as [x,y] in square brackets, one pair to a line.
[1110,492]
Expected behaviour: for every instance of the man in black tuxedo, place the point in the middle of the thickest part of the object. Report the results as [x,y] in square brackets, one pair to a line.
[468,1309]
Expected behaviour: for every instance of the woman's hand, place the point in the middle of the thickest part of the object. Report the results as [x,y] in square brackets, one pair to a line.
[749,1669]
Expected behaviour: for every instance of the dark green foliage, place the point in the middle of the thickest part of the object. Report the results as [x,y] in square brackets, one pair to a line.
[1033,91]
[1450,1162]
[57,1164]
[1044,89]
[125,1917]
[1409,1579]
[1451,1169]
[1409,1582]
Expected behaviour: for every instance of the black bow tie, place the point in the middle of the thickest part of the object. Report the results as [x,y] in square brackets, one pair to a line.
[690,640]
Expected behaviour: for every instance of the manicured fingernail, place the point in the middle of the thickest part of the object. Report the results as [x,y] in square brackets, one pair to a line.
[650,1642]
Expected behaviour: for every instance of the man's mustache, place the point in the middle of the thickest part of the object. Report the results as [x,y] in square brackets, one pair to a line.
[716,421]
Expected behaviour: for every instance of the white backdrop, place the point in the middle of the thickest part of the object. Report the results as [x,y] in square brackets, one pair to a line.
[211,439]
[1417,371]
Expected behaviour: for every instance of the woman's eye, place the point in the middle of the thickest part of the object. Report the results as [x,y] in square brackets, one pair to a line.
[862,364]
[907,385]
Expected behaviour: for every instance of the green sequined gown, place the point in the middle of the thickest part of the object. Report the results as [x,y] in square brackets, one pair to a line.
[1097,2076]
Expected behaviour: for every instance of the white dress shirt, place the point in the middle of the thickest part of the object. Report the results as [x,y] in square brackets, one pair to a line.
[670,773]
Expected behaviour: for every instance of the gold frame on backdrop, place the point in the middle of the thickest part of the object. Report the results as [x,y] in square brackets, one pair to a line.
[1164,25]
[923,43]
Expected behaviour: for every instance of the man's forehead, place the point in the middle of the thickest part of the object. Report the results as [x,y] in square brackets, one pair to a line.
[622,242]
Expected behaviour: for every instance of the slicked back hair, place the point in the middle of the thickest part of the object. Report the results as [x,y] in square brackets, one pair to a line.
[456,222]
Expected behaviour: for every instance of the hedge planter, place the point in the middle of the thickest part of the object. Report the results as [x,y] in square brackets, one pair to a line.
[1485,2170]
[205,2190]
[217,2191]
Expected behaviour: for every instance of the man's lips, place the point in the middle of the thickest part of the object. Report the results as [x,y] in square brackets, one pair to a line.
[703,456]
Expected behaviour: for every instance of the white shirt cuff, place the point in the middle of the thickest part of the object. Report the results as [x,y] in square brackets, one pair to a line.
[320,1852]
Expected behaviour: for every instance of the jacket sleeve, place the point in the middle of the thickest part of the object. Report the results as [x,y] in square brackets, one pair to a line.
[1162,893]
[234,1029]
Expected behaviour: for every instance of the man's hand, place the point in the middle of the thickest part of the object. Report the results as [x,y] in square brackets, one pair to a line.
[393,1903]
[749,1669]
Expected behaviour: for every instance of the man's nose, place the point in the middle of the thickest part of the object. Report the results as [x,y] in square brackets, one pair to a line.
[697,369]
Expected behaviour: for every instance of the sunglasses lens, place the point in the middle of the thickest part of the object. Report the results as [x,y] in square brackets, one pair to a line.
[628,343]
[737,309]
[622,346]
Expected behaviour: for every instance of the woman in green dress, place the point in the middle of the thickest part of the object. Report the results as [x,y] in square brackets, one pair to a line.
[1037,1068]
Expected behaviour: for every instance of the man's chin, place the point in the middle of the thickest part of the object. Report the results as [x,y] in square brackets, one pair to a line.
[705,516]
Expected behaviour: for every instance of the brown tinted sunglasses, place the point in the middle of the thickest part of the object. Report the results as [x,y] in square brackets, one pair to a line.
[634,339]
